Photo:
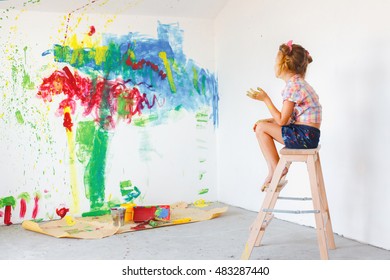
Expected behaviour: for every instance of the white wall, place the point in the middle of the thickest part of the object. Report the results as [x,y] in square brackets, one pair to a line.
[349,43]
[169,162]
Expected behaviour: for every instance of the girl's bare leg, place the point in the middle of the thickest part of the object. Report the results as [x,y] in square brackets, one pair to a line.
[266,133]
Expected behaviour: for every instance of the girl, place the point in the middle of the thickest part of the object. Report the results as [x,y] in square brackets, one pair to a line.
[297,125]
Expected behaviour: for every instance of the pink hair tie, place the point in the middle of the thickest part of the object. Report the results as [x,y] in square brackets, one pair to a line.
[289,45]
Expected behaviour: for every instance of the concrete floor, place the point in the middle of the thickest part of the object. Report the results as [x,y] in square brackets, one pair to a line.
[218,239]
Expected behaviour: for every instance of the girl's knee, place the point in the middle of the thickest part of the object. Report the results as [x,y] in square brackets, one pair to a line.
[260,127]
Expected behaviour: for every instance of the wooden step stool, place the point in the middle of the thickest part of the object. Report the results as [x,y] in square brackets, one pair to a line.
[321,210]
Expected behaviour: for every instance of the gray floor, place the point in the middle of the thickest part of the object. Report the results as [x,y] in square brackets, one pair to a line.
[218,239]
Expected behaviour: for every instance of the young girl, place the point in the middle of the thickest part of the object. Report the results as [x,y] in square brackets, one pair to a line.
[297,125]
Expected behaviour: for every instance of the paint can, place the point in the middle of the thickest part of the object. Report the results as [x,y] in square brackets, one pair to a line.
[118,216]
[129,213]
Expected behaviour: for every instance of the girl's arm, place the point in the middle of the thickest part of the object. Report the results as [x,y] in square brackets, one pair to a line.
[281,118]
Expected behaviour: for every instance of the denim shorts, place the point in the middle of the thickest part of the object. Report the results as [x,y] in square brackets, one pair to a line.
[298,136]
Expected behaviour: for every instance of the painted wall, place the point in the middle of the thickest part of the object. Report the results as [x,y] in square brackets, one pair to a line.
[97,110]
[349,43]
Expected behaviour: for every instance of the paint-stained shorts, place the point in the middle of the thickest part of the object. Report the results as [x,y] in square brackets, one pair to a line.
[297,136]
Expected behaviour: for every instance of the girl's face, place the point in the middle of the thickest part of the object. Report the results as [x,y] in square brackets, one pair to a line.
[277,65]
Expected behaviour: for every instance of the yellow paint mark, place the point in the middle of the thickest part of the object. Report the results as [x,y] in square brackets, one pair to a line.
[181,221]
[201,203]
[1,115]
[163,56]
[73,170]
[131,54]
[100,55]
[245,254]
[70,221]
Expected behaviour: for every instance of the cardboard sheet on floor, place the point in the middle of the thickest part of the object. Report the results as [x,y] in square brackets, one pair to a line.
[103,226]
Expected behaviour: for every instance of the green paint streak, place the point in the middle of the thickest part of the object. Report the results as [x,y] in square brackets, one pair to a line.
[94,178]
[201,175]
[94,175]
[26,84]
[84,139]
[19,117]
[25,196]
[145,120]
[96,213]
[203,191]
[113,59]
[145,148]
[15,72]
[204,85]
[62,53]
[7,201]
[195,79]
[122,106]
[85,133]
[125,187]
[202,117]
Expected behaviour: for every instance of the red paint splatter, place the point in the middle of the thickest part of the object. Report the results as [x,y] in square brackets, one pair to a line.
[35,210]
[140,64]
[92,30]
[141,226]
[90,95]
[1,214]
[7,215]
[69,15]
[23,208]
[62,212]
[68,121]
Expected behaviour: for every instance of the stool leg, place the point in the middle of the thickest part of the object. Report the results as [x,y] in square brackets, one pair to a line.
[329,229]
[317,206]
[272,205]
[268,203]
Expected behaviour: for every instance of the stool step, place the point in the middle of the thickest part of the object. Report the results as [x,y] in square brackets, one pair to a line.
[294,198]
[286,151]
[291,211]
[279,188]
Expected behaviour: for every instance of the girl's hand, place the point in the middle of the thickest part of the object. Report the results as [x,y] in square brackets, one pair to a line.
[258,94]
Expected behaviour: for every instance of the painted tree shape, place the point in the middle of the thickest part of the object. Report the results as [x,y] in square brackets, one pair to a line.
[24,199]
[125,77]
[9,203]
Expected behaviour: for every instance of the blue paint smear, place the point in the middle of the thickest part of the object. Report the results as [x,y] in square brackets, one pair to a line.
[191,94]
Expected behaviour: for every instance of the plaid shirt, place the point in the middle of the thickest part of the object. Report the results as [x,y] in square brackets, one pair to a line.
[307,107]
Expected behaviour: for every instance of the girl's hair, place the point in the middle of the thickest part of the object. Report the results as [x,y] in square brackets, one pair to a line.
[294,58]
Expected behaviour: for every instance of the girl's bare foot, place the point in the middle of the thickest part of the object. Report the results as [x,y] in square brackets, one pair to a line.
[266,183]
[268,180]
[284,173]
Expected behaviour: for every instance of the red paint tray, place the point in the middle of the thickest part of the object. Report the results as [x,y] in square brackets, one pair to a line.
[148,213]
